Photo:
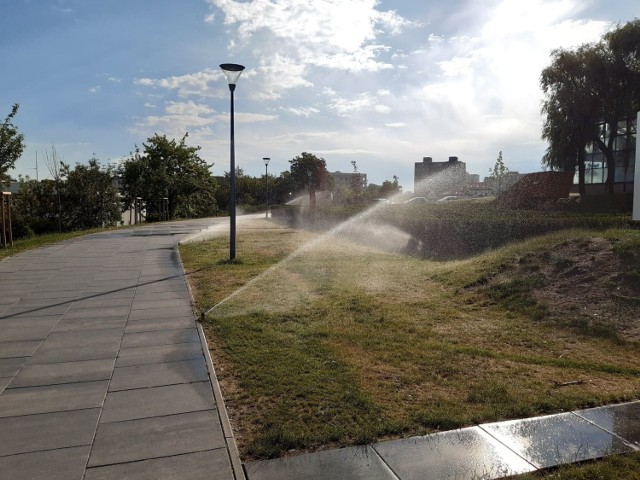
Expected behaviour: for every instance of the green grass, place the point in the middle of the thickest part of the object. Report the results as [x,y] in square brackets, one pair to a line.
[616,467]
[341,344]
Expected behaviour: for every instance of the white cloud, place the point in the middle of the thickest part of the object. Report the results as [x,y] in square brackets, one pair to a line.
[194,84]
[306,112]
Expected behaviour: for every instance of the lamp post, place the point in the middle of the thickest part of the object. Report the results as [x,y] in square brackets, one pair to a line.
[266,181]
[232,71]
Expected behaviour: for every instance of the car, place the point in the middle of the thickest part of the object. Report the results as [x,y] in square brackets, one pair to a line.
[449,198]
[417,200]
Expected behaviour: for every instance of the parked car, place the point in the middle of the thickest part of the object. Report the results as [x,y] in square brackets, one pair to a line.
[417,200]
[449,198]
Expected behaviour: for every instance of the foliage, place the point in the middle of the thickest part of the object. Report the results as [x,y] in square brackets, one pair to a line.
[584,87]
[11,144]
[172,170]
[498,172]
[81,198]
[310,172]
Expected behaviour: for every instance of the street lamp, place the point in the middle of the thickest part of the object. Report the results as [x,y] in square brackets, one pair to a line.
[266,181]
[232,72]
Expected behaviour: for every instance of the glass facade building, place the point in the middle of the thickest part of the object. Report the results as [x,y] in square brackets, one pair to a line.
[596,170]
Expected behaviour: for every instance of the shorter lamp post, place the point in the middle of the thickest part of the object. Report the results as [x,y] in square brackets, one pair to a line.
[266,181]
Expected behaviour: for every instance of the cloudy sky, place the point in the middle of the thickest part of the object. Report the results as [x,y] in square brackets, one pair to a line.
[383,83]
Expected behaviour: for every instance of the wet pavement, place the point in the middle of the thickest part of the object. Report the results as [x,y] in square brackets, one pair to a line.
[487,451]
[103,370]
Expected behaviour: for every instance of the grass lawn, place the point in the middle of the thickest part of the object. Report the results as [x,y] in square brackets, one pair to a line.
[319,342]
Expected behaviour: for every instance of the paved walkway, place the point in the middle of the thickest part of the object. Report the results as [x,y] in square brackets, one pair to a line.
[102,371]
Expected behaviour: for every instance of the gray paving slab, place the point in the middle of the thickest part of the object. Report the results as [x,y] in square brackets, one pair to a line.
[355,463]
[182,310]
[53,398]
[73,346]
[67,372]
[97,312]
[91,323]
[4,381]
[10,366]
[92,301]
[468,453]
[21,321]
[61,464]
[556,439]
[32,433]
[160,337]
[190,466]
[162,303]
[159,354]
[157,401]
[158,374]
[622,420]
[23,348]
[158,437]
[14,334]
[156,324]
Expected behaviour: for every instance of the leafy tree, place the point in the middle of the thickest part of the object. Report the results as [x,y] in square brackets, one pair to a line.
[90,198]
[595,84]
[498,172]
[309,171]
[11,144]
[390,188]
[172,170]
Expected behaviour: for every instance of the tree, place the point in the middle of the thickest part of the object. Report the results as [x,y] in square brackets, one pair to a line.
[309,171]
[588,90]
[90,198]
[498,172]
[11,144]
[390,188]
[172,170]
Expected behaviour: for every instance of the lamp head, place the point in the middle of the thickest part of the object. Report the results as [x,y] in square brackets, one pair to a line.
[266,160]
[232,71]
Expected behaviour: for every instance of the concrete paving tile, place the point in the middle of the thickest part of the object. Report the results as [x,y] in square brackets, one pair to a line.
[157,402]
[152,324]
[160,337]
[62,464]
[468,453]
[4,381]
[10,366]
[68,372]
[20,309]
[161,287]
[622,420]
[159,354]
[72,346]
[556,439]
[191,466]
[31,433]
[100,302]
[22,321]
[158,374]
[357,463]
[18,349]
[97,312]
[158,313]
[91,323]
[157,437]
[183,302]
[15,334]
[52,398]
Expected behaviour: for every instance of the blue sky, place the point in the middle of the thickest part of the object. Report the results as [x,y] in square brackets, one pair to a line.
[383,83]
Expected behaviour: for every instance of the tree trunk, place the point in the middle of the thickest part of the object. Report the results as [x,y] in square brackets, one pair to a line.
[581,172]
[312,204]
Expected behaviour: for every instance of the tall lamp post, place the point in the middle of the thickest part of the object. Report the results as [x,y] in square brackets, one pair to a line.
[266,181]
[232,71]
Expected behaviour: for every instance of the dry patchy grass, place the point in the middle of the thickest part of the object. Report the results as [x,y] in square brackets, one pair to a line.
[320,342]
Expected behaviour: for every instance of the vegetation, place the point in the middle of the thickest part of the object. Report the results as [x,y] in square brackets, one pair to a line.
[310,172]
[11,144]
[588,90]
[321,342]
[172,170]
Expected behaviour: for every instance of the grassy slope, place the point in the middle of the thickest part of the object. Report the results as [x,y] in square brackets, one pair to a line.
[344,345]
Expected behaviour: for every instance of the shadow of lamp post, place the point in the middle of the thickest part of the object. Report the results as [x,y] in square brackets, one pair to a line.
[232,71]
[266,181]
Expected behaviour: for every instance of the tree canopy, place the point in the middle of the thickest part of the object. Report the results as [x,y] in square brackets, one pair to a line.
[309,171]
[169,169]
[587,87]
[11,143]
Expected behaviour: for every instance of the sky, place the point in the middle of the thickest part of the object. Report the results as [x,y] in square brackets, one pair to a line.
[383,83]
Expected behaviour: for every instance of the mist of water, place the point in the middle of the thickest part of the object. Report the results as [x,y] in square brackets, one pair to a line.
[305,273]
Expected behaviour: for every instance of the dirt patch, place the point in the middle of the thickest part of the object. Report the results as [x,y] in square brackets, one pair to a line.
[585,284]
